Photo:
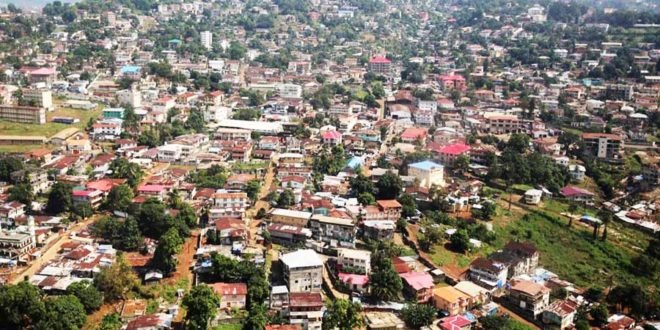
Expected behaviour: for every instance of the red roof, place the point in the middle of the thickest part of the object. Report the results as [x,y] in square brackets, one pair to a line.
[413,133]
[455,149]
[570,191]
[361,280]
[304,299]
[418,280]
[453,77]
[456,322]
[379,59]
[331,135]
[225,289]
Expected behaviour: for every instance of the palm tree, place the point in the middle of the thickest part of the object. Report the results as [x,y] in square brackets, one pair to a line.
[572,208]
[606,217]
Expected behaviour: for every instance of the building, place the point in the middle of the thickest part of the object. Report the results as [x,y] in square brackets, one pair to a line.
[560,314]
[427,173]
[449,153]
[414,134]
[232,295]
[232,134]
[290,91]
[303,271]
[92,197]
[131,96]
[577,172]
[16,245]
[207,39]
[418,285]
[487,273]
[290,217]
[288,234]
[44,75]
[576,194]
[113,113]
[476,294]
[533,196]
[503,124]
[380,65]
[158,321]
[351,260]
[619,92]
[305,310]
[378,229]
[39,98]
[383,321]
[332,230]
[229,204]
[455,322]
[23,114]
[449,82]
[331,138]
[602,145]
[450,300]
[530,297]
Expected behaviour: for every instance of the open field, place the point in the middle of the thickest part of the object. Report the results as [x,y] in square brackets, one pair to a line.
[571,253]
[50,128]
[19,148]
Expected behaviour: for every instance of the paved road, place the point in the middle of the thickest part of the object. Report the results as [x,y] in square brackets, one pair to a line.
[52,250]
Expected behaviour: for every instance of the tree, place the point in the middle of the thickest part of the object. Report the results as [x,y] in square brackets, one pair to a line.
[606,218]
[59,199]
[196,121]
[486,211]
[462,164]
[130,238]
[120,198]
[286,199]
[21,305]
[123,169]
[165,255]
[460,241]
[600,314]
[384,281]
[252,189]
[111,322]
[22,193]
[366,198]
[418,315]
[87,294]
[558,293]
[83,210]
[342,314]
[256,318]
[188,216]
[152,218]
[389,186]
[63,313]
[261,213]
[8,165]
[201,304]
[408,205]
[361,184]
[116,281]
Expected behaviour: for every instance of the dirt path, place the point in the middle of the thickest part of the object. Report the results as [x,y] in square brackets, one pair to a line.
[94,320]
[261,202]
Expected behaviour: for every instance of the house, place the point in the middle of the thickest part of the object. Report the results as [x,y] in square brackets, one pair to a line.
[533,196]
[451,300]
[288,234]
[532,298]
[378,229]
[487,273]
[354,282]
[305,309]
[354,261]
[159,321]
[577,172]
[283,327]
[383,321]
[418,285]
[231,230]
[619,322]
[91,197]
[331,138]
[380,65]
[414,134]
[521,258]
[279,297]
[449,82]
[232,295]
[12,210]
[290,217]
[295,182]
[229,204]
[476,294]
[449,153]
[576,194]
[427,173]
[455,322]
[303,271]
[333,230]
[560,314]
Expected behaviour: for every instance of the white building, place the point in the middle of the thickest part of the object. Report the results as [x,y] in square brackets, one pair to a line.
[428,173]
[41,98]
[577,172]
[133,97]
[207,39]
[533,196]
[290,91]
[359,260]
[169,153]
[303,271]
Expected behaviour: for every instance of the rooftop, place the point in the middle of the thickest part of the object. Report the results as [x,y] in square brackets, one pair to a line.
[301,259]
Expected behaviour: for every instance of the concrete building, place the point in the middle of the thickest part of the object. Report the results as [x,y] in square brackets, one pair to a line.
[489,274]
[290,91]
[303,271]
[132,97]
[532,298]
[359,260]
[334,231]
[380,65]
[427,173]
[39,98]
[602,145]
[17,246]
[207,39]
[232,134]
[113,113]
[290,217]
[305,310]
[23,114]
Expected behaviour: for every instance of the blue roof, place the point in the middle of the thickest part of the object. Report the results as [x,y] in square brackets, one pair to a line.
[130,69]
[174,41]
[426,165]
[355,162]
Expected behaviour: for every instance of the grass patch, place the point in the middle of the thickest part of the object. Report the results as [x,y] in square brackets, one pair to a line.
[228,326]
[49,128]
[19,148]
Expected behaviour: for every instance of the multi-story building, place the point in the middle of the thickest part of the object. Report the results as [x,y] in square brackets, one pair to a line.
[230,204]
[232,134]
[131,96]
[427,173]
[332,230]
[18,245]
[207,39]
[449,82]
[292,91]
[305,310]
[520,258]
[560,314]
[378,229]
[232,295]
[113,113]
[303,271]
[532,298]
[602,145]
[418,285]
[450,300]
[39,97]
[619,92]
[358,260]
[487,273]
[503,124]
[23,114]
[577,172]
[290,217]
[380,65]
[169,153]
[106,130]
[91,197]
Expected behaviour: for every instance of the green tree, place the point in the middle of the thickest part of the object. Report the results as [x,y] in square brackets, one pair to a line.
[83,210]
[389,186]
[59,199]
[460,241]
[462,164]
[385,283]
[130,238]
[62,313]
[8,165]
[600,314]
[361,184]
[111,322]
[188,216]
[342,314]
[196,121]
[21,305]
[366,198]
[87,294]
[253,188]
[408,205]
[123,169]
[165,255]
[286,199]
[116,281]
[256,318]
[418,315]
[22,193]
[201,304]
